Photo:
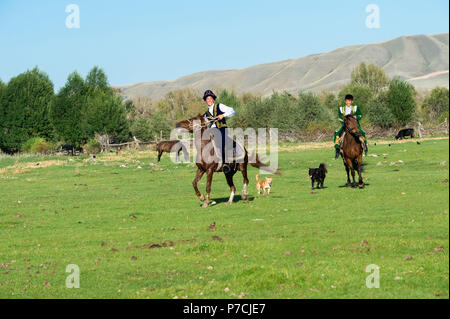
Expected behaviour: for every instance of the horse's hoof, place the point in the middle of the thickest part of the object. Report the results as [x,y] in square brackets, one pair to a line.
[349,185]
[361,185]
[202,198]
[205,205]
[228,203]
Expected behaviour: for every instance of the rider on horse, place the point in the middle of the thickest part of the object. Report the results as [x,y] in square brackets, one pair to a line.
[343,111]
[216,115]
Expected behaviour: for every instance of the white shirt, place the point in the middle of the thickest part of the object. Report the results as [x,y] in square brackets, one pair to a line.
[227,111]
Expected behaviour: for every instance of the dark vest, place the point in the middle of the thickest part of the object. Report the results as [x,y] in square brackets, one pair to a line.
[216,111]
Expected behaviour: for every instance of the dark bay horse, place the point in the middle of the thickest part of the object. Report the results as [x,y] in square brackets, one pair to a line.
[351,150]
[211,167]
[172,146]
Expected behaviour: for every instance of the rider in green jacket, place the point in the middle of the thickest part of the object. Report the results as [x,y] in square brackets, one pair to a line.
[343,111]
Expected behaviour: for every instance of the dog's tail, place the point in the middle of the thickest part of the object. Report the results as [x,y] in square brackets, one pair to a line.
[259,164]
[324,167]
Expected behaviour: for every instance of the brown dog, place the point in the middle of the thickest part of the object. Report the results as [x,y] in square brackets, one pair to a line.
[263,184]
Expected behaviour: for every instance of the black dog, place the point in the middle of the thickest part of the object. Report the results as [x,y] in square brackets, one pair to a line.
[404,133]
[318,175]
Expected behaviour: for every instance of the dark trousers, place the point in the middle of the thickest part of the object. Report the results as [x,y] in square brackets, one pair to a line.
[223,137]
[220,138]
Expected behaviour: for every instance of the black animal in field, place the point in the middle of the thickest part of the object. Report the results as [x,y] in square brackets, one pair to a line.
[404,133]
[318,175]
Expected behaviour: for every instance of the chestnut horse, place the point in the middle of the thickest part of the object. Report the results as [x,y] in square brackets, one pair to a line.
[351,150]
[211,167]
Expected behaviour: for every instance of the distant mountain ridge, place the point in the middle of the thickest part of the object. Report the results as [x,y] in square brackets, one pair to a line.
[421,59]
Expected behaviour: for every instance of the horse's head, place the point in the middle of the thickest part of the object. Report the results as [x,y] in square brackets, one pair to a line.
[351,125]
[193,122]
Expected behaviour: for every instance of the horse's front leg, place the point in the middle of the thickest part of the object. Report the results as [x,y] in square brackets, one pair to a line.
[209,177]
[230,183]
[353,176]
[347,169]
[244,188]
[361,182]
[198,176]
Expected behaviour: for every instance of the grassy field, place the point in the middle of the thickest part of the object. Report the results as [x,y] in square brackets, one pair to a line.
[137,230]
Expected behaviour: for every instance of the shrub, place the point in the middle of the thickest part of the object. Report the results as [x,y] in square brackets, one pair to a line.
[92,146]
[37,145]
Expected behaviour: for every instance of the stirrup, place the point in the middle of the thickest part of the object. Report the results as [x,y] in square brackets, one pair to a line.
[226,168]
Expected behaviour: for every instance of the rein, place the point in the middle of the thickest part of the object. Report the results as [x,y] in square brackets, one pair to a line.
[202,125]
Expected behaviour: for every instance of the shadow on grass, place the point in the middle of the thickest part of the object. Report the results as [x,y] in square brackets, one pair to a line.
[237,198]
[345,185]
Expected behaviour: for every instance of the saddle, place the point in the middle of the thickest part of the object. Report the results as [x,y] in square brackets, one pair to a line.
[233,154]
[341,141]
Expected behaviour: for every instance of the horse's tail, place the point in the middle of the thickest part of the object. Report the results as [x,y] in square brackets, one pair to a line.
[265,167]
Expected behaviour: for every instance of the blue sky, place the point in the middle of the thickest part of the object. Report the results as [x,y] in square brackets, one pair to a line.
[136,40]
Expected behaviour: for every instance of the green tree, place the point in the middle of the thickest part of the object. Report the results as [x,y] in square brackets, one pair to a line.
[67,111]
[141,129]
[25,109]
[379,112]
[107,115]
[311,109]
[371,76]
[159,123]
[2,114]
[330,101]
[97,81]
[401,100]
[436,103]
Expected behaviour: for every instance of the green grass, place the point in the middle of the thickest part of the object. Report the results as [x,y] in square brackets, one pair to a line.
[291,244]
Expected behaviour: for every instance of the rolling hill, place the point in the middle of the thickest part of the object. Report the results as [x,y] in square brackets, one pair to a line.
[421,59]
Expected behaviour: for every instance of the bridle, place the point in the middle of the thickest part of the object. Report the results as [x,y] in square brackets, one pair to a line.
[350,132]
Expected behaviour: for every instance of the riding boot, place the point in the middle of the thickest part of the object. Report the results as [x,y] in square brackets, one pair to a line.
[364,145]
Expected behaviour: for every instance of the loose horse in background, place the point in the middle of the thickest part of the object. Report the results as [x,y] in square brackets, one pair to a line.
[351,150]
[211,167]
[172,146]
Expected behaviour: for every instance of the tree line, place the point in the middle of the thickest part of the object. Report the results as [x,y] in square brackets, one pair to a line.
[31,112]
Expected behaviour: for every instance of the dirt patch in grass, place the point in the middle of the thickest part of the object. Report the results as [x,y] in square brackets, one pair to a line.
[20,168]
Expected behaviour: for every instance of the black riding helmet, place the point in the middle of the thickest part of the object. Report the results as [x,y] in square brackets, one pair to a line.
[209,93]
